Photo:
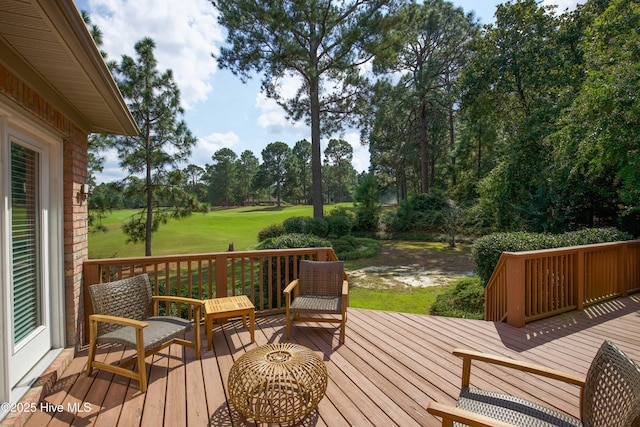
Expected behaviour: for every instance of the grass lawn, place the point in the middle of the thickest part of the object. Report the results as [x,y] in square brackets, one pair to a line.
[406,300]
[198,233]
[215,230]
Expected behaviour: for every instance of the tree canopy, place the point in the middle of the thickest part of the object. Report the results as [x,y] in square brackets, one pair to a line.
[528,123]
[322,43]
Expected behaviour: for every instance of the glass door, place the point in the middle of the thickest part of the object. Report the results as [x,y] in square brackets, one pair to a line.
[30,333]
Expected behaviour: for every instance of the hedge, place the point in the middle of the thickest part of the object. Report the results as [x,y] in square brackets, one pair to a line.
[486,250]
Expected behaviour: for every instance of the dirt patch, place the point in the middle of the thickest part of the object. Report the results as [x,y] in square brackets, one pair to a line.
[412,264]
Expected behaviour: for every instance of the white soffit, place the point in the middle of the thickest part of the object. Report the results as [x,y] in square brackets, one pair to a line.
[47,45]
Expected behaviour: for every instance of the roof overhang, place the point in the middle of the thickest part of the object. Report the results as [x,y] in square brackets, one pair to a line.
[48,46]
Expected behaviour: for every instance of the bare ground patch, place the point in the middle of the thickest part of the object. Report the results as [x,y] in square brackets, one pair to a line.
[415,264]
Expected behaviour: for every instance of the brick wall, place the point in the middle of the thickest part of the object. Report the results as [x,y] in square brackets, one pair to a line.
[75,147]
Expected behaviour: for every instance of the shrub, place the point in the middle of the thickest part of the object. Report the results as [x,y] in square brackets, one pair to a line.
[340,211]
[293,240]
[590,236]
[368,219]
[295,224]
[389,217]
[368,207]
[349,247]
[339,225]
[486,251]
[465,300]
[270,231]
[426,212]
[317,226]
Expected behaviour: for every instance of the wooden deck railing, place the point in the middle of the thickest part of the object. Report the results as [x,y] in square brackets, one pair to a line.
[527,286]
[262,275]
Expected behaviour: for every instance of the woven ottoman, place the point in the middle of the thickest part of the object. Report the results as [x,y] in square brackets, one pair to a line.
[277,383]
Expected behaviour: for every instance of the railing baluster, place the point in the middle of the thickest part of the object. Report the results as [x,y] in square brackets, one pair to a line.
[261,282]
[555,280]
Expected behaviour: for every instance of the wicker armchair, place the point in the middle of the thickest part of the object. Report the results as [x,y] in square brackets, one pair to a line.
[126,313]
[321,288]
[609,395]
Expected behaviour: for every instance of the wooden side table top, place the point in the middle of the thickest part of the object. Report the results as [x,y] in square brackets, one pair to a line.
[228,305]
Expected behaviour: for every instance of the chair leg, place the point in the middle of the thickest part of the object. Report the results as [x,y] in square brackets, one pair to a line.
[197,335]
[142,366]
[288,317]
[92,347]
[343,327]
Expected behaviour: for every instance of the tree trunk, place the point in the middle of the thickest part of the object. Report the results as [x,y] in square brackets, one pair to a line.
[479,166]
[424,150]
[147,236]
[278,193]
[403,184]
[316,160]
[452,142]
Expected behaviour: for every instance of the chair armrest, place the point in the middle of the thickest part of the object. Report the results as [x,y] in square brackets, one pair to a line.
[198,304]
[469,355]
[182,300]
[451,413]
[291,286]
[345,295]
[138,324]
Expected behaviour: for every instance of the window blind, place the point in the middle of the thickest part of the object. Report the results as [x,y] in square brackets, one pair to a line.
[25,236]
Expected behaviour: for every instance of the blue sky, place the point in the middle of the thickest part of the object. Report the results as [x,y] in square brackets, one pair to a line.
[220,110]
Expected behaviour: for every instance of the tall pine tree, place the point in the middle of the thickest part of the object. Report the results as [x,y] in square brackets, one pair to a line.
[163,143]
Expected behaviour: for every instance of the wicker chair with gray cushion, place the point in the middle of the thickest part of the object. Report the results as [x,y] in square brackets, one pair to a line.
[126,313]
[320,289]
[609,395]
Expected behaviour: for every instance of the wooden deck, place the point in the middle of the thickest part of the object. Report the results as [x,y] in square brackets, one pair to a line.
[390,367]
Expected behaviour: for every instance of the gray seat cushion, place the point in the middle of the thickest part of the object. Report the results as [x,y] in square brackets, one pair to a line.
[320,304]
[160,330]
[513,410]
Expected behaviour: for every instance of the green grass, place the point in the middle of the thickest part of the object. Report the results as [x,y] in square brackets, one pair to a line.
[198,233]
[405,300]
[213,231]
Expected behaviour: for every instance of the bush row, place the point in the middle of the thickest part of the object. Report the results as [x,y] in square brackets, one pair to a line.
[339,222]
[486,250]
[346,247]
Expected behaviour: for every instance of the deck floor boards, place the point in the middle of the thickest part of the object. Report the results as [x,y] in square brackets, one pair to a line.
[390,367]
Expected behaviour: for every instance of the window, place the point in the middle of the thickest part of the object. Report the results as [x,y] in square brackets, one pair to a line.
[25,239]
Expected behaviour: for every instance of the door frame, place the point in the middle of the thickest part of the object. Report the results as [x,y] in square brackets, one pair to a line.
[14,124]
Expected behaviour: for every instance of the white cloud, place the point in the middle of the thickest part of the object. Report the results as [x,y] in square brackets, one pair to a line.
[208,145]
[111,171]
[185,33]
[272,117]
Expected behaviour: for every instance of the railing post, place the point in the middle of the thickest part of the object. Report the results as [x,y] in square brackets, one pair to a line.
[90,276]
[221,275]
[515,290]
[623,269]
[322,255]
[581,279]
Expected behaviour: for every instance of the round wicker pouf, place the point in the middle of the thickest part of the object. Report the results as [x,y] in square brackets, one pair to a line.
[277,383]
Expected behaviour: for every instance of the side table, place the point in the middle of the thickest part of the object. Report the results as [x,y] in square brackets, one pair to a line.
[226,307]
[277,383]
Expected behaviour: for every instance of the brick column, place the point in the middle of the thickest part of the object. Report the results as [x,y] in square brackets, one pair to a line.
[76,227]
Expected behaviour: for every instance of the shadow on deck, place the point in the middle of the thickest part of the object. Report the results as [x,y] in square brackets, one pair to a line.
[390,367]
